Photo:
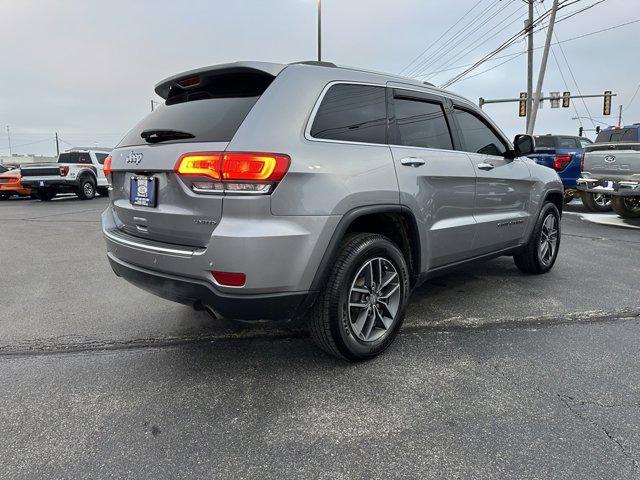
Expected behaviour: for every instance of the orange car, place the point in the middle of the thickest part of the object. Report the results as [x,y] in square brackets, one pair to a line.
[11,184]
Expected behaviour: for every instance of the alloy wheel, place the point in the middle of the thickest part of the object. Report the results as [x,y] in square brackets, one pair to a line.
[602,199]
[548,239]
[374,299]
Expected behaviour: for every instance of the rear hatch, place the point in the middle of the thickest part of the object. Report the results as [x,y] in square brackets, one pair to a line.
[613,161]
[202,112]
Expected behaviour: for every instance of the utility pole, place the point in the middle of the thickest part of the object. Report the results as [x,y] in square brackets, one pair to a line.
[57,145]
[9,138]
[620,117]
[543,69]
[529,26]
[319,30]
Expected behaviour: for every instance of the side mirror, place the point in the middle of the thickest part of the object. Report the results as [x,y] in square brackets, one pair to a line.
[523,145]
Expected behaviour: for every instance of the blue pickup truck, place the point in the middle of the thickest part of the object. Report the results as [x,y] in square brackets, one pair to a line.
[564,153]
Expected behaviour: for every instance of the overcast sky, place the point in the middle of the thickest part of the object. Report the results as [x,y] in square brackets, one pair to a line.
[86,69]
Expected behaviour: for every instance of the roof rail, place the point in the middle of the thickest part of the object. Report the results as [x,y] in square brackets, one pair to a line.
[316,63]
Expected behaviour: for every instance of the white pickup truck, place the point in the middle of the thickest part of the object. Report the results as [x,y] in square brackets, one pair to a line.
[612,166]
[78,171]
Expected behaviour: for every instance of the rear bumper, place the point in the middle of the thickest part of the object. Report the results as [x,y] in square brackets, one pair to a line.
[622,189]
[48,182]
[200,294]
[14,189]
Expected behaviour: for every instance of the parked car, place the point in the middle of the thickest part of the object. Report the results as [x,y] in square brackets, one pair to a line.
[78,171]
[11,184]
[612,166]
[268,191]
[564,153]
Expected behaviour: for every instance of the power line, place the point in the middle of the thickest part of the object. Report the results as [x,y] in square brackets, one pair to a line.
[440,37]
[632,98]
[483,39]
[455,36]
[507,44]
[517,54]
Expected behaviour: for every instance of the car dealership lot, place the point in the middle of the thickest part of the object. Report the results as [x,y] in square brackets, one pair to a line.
[495,373]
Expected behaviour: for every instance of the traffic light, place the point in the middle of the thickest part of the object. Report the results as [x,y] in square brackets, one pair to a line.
[522,111]
[607,103]
[580,131]
[598,129]
[566,100]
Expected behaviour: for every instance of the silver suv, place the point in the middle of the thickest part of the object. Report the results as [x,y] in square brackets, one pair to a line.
[267,191]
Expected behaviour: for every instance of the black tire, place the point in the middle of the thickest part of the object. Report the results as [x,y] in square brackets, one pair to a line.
[102,191]
[86,188]
[44,195]
[5,196]
[569,195]
[596,202]
[329,320]
[626,207]
[531,258]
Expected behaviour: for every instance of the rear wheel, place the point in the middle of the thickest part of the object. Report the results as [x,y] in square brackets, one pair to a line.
[44,195]
[596,202]
[539,255]
[627,207]
[5,196]
[363,302]
[569,195]
[86,189]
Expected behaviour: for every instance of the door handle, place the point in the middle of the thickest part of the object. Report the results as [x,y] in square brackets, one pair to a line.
[412,161]
[486,166]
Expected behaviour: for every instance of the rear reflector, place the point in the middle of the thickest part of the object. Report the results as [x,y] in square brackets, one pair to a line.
[106,167]
[229,279]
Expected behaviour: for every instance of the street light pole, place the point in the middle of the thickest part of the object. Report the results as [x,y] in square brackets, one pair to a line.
[319,30]
[9,138]
[529,26]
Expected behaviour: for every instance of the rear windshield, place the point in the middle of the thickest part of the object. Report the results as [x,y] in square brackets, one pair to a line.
[546,142]
[74,157]
[208,120]
[618,135]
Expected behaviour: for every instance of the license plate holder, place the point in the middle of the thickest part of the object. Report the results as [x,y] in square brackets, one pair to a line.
[143,191]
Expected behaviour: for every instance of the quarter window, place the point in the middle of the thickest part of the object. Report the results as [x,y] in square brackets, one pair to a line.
[422,124]
[101,157]
[352,113]
[478,137]
[630,135]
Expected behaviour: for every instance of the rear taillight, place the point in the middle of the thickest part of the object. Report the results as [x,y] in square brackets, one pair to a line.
[106,167]
[560,162]
[234,172]
[64,169]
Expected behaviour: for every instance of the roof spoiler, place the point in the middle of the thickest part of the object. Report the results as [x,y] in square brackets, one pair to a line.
[182,80]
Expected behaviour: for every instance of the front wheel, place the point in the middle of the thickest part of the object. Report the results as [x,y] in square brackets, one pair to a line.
[362,305]
[627,207]
[540,253]
[596,202]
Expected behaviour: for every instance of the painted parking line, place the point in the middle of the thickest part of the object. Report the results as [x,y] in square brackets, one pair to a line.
[610,219]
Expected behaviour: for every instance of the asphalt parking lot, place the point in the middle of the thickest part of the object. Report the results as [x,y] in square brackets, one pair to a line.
[495,374]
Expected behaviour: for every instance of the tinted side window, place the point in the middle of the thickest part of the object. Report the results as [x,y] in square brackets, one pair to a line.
[604,137]
[546,141]
[630,135]
[353,113]
[101,157]
[584,142]
[477,135]
[422,124]
[567,142]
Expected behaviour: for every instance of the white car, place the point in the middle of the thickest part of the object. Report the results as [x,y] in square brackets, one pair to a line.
[78,171]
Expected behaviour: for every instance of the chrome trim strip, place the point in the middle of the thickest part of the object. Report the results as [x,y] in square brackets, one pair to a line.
[151,248]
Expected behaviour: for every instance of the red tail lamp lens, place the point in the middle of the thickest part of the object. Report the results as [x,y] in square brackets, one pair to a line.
[561,161]
[230,279]
[200,164]
[106,166]
[235,167]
